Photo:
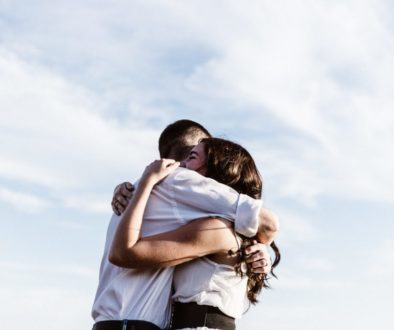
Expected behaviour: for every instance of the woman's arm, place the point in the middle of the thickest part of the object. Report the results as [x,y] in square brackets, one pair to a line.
[129,228]
[195,239]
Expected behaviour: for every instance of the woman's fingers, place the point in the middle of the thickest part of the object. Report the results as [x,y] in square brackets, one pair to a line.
[159,169]
[167,166]
[170,164]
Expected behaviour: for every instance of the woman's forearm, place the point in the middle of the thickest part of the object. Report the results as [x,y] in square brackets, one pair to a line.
[129,228]
[197,238]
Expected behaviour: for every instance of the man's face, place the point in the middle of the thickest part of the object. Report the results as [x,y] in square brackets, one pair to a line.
[196,160]
[181,151]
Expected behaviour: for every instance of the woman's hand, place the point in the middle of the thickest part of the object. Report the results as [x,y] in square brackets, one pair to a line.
[158,170]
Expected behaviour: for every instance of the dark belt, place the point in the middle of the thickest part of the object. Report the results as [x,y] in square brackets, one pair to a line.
[191,315]
[125,325]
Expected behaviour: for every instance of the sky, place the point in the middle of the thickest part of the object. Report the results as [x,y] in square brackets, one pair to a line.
[306,86]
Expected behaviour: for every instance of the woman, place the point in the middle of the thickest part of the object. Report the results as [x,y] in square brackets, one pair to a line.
[216,295]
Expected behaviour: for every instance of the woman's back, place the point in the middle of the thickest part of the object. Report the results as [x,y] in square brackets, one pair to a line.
[206,282]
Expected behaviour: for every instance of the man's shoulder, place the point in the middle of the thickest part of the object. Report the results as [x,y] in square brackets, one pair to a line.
[183,175]
[186,179]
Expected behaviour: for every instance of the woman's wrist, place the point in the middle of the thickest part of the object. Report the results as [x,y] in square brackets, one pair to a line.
[148,182]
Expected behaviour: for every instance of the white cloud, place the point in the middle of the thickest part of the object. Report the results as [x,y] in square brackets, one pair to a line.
[43,270]
[294,229]
[381,261]
[60,295]
[44,305]
[53,136]
[92,204]
[304,283]
[316,264]
[26,202]
[322,70]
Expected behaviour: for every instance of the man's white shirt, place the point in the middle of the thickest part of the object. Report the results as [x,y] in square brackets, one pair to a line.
[183,196]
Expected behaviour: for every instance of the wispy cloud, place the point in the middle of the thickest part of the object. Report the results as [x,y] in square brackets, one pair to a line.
[17,302]
[50,270]
[53,136]
[91,204]
[23,201]
[326,85]
[381,260]
[295,228]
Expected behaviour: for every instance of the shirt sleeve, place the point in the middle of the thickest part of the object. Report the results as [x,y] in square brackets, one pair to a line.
[207,195]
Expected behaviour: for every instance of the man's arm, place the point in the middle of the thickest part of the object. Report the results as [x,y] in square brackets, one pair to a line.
[268,226]
[258,258]
[215,199]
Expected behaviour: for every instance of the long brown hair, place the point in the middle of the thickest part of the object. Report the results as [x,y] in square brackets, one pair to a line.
[231,164]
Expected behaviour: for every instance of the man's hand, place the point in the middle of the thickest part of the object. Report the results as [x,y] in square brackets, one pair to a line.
[122,196]
[258,259]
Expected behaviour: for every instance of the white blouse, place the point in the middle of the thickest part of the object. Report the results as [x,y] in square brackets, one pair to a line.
[206,282]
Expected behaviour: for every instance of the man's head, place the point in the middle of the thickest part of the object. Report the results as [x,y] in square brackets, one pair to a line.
[178,138]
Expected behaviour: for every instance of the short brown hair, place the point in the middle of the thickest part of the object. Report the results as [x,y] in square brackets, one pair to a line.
[174,139]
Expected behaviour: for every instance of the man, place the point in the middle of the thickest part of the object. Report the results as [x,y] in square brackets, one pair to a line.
[126,296]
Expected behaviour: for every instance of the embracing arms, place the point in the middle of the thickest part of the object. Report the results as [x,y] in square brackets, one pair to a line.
[193,240]
[198,238]
[268,221]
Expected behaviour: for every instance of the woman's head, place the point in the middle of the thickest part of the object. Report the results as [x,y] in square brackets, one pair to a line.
[196,160]
[229,163]
[226,162]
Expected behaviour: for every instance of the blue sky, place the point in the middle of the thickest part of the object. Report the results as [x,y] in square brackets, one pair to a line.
[306,86]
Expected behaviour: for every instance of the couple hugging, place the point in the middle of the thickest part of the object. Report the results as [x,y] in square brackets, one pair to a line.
[187,247]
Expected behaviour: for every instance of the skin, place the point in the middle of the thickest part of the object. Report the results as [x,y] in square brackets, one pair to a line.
[196,160]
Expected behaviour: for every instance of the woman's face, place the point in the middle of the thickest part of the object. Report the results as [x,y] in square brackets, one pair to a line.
[196,159]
